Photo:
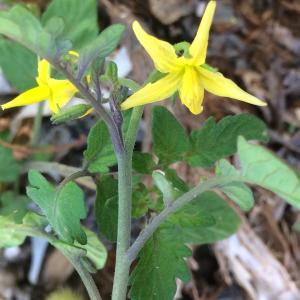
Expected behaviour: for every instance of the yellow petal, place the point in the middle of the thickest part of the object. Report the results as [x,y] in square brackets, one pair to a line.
[61,91]
[31,96]
[198,47]
[74,53]
[162,53]
[153,92]
[191,92]
[44,70]
[219,85]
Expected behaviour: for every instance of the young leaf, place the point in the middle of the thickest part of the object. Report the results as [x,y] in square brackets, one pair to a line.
[169,138]
[100,48]
[18,64]
[9,167]
[79,17]
[260,166]
[63,209]
[99,153]
[205,220]
[106,207]
[215,141]
[236,191]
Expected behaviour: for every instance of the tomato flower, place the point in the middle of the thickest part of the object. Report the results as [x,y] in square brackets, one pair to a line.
[188,73]
[58,92]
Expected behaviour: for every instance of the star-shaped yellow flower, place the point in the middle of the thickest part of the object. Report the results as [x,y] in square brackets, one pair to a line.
[187,74]
[58,92]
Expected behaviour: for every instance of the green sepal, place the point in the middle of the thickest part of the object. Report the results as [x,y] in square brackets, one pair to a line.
[71,113]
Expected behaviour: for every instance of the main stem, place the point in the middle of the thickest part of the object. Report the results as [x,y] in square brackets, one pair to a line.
[124,226]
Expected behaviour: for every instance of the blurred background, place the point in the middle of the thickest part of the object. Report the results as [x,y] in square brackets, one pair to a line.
[254,42]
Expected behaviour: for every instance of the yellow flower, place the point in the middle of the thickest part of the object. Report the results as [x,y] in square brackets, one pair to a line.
[188,73]
[58,92]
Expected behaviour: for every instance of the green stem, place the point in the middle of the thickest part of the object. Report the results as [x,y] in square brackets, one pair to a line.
[186,198]
[133,128]
[37,124]
[124,226]
[88,281]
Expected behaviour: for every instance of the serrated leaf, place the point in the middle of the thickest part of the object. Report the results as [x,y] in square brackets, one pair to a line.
[79,17]
[205,220]
[63,209]
[169,138]
[106,207]
[236,191]
[262,167]
[100,48]
[14,205]
[18,64]
[99,153]
[9,167]
[215,141]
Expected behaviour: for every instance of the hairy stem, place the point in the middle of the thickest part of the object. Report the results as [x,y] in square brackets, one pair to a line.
[88,281]
[124,226]
[72,177]
[99,109]
[133,128]
[145,235]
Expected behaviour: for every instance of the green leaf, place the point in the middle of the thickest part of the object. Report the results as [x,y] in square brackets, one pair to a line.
[177,182]
[260,166]
[100,48]
[215,141]
[14,234]
[106,207]
[9,167]
[79,17]
[140,200]
[18,64]
[205,220]
[236,191]
[99,153]
[169,138]
[64,209]
[14,205]
[143,163]
[71,113]
[95,250]
[10,235]
[22,26]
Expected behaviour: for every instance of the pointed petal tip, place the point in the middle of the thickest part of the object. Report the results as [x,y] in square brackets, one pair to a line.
[136,25]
